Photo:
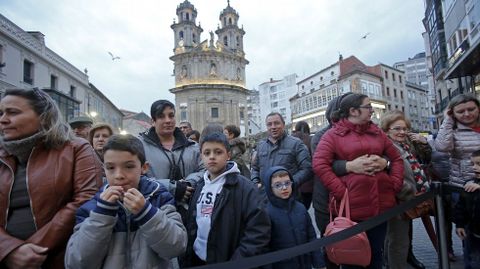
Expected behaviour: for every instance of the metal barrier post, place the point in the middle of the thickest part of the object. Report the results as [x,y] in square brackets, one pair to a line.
[443,262]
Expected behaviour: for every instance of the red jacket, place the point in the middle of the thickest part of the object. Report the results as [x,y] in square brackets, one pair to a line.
[369,195]
[59,181]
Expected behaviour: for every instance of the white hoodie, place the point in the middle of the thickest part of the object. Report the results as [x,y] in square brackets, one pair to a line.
[205,204]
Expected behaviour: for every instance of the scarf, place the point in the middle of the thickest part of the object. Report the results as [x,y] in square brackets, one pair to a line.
[418,173]
[21,148]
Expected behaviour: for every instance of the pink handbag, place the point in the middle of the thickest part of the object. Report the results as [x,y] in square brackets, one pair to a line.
[354,250]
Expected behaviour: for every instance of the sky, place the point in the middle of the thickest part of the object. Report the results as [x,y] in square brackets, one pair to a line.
[282,37]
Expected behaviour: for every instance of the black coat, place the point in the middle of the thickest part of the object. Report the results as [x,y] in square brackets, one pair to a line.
[240,226]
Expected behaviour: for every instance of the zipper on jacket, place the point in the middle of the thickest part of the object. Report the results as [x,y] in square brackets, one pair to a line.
[128,259]
[28,190]
[9,193]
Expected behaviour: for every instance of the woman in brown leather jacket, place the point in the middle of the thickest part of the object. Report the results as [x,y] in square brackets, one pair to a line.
[45,175]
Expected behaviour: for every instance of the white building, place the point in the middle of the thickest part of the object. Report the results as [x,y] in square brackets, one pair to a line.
[274,97]
[253,113]
[26,62]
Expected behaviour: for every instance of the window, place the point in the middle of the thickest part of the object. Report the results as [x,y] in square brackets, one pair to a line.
[72,91]
[229,21]
[225,41]
[180,35]
[28,72]
[401,94]
[214,112]
[388,91]
[393,76]
[395,93]
[53,82]
[238,41]
[188,16]
[2,63]
[400,79]
[242,116]
[389,107]
[386,74]
[194,38]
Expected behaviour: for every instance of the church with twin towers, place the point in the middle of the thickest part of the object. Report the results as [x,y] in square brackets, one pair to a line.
[210,73]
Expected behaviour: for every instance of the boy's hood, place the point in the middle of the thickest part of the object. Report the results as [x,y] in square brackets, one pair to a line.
[267,183]
[229,169]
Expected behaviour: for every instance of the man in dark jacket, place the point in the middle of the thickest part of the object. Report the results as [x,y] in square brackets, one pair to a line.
[281,149]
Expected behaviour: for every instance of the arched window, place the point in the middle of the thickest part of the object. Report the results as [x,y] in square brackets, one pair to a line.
[229,21]
[188,16]
[238,41]
[193,37]
[225,41]
[180,34]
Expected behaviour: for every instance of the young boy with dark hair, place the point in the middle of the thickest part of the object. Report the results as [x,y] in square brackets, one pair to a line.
[291,223]
[226,220]
[131,222]
[467,217]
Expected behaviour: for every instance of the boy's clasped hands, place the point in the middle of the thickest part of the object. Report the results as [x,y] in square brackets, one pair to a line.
[132,199]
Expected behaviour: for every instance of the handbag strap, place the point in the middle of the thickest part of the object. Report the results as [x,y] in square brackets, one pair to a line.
[345,204]
[332,206]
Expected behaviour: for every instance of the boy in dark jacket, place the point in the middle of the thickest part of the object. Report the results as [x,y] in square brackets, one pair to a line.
[291,223]
[467,217]
[226,220]
[131,222]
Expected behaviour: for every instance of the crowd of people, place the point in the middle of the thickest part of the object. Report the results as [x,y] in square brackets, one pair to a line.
[77,195]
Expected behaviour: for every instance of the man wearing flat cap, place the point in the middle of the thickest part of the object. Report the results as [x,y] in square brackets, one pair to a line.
[81,126]
[174,160]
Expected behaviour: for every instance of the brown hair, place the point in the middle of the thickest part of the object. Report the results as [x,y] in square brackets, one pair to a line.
[96,127]
[391,117]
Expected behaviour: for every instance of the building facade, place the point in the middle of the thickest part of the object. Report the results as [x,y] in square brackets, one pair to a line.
[253,113]
[274,96]
[384,85]
[26,62]
[209,74]
[453,40]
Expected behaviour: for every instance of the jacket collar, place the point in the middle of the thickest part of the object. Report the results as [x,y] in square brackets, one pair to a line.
[180,140]
[279,140]
[344,126]
[146,186]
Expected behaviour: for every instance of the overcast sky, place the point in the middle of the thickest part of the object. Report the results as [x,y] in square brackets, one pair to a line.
[282,37]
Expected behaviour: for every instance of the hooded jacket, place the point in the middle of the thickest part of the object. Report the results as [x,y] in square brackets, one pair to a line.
[460,141]
[240,227]
[169,166]
[369,195]
[291,226]
[108,236]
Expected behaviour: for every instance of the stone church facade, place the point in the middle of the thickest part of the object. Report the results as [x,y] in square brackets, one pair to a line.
[209,74]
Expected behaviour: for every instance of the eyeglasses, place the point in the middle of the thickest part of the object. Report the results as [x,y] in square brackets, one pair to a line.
[369,107]
[282,185]
[398,129]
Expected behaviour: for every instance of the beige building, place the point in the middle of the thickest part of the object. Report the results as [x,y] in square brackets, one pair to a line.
[317,90]
[384,85]
[209,74]
[26,62]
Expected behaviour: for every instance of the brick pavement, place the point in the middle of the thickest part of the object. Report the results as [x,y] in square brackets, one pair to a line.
[423,248]
[424,251]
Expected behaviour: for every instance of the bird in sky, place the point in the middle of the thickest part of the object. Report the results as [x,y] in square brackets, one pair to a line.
[365,36]
[113,56]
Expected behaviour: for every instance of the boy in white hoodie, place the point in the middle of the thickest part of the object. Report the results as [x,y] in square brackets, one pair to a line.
[226,218]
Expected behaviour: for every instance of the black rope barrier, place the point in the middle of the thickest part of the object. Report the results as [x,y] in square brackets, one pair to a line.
[271,257]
